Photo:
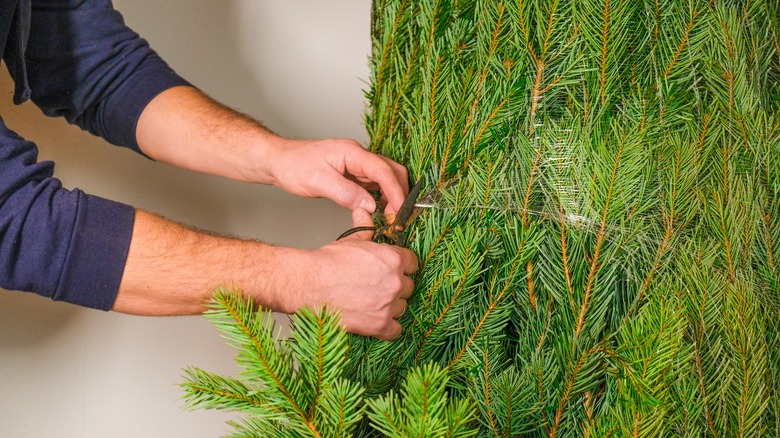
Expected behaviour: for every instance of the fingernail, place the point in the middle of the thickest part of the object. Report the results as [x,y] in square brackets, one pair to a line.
[367,204]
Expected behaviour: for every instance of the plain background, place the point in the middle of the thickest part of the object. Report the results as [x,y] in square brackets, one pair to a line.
[300,66]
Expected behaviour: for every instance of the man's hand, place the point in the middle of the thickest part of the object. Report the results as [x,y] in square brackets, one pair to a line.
[172,270]
[368,282]
[337,169]
[185,128]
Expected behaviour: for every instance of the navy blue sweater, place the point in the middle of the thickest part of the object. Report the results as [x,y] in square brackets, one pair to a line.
[78,60]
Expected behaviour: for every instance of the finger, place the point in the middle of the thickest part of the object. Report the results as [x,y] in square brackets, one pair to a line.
[392,332]
[389,216]
[409,263]
[361,218]
[385,173]
[401,173]
[399,308]
[385,331]
[393,204]
[344,192]
[407,287]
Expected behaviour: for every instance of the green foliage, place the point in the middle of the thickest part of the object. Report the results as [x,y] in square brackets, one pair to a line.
[602,258]
[291,388]
[296,387]
[422,410]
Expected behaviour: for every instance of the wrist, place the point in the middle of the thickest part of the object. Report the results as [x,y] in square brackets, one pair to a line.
[172,270]
[287,287]
[264,154]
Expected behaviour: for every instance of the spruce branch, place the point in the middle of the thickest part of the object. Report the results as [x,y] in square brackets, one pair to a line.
[422,408]
[290,387]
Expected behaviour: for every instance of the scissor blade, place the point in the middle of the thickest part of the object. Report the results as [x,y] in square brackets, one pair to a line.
[430,199]
[407,208]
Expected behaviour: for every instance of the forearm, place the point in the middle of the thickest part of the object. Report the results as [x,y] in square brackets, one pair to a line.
[185,128]
[172,269]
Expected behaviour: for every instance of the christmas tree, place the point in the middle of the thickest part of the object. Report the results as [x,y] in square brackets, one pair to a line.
[601,257]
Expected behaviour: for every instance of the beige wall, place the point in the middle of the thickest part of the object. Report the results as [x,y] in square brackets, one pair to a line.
[297,65]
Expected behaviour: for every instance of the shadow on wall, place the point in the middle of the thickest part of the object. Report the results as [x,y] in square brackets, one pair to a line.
[29,320]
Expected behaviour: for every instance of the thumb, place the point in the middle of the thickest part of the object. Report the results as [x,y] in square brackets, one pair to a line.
[347,194]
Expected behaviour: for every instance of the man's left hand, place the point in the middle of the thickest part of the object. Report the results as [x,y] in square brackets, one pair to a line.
[337,169]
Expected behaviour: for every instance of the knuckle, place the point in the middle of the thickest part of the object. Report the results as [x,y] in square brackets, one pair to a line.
[395,284]
[350,143]
[382,325]
[393,332]
[380,328]
[394,258]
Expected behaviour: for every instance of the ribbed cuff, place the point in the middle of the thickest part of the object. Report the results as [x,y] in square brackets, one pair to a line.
[97,253]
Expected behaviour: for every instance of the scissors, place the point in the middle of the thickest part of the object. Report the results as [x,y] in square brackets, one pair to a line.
[395,233]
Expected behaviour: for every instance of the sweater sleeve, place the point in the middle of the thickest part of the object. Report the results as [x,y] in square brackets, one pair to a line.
[62,244]
[85,64]
[80,62]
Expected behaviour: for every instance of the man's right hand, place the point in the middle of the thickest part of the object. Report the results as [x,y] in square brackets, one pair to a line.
[367,282]
[172,270]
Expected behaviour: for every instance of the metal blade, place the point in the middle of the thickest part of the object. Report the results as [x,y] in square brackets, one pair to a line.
[407,208]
